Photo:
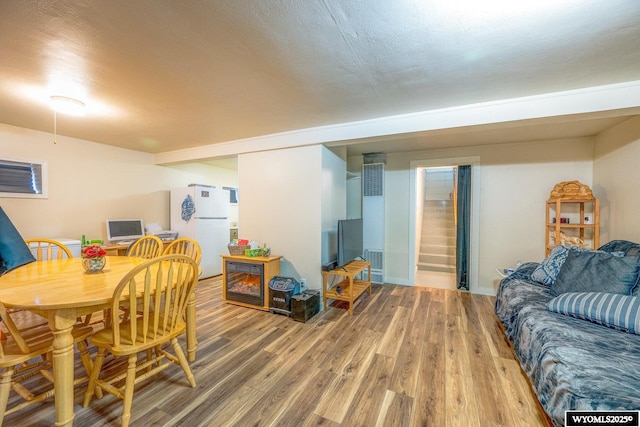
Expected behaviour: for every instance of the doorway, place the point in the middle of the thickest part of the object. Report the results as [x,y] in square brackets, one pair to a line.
[465,276]
[435,230]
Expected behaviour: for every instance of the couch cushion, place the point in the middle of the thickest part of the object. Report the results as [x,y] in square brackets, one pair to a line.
[547,271]
[615,311]
[629,248]
[597,271]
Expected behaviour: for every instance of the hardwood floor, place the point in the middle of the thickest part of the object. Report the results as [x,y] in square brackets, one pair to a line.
[409,356]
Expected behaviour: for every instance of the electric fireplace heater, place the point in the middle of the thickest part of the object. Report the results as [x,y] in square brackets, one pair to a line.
[245,282]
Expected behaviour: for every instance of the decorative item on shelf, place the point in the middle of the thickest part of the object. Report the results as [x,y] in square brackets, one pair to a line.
[93,258]
[571,190]
[238,247]
[253,252]
[265,250]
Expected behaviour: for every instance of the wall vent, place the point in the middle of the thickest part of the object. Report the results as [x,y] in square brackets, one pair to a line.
[373,180]
[375,258]
[373,218]
[377,277]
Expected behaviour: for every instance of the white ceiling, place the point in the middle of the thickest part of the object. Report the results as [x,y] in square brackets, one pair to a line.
[159,76]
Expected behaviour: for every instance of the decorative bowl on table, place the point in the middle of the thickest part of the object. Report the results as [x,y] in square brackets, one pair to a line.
[93,258]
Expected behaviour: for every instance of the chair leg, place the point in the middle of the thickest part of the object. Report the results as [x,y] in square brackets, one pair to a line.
[5,390]
[183,362]
[149,358]
[128,389]
[93,378]
[85,357]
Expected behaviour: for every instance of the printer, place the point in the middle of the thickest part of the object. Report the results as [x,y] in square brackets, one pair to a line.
[165,235]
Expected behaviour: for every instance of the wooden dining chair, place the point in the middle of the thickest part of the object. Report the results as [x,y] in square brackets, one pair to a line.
[161,287]
[48,249]
[146,247]
[185,246]
[45,249]
[26,353]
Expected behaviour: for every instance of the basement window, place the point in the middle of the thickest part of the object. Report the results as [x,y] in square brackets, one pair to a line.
[23,179]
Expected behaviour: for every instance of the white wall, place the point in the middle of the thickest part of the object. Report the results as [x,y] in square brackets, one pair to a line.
[90,182]
[290,199]
[516,180]
[334,202]
[616,176]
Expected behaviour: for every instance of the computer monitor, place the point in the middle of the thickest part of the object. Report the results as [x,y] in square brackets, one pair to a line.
[124,229]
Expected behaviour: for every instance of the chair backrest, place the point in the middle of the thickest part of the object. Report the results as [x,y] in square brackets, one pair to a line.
[13,330]
[146,247]
[184,246]
[159,289]
[48,249]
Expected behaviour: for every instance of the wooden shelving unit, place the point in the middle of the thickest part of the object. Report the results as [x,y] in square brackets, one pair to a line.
[348,288]
[572,217]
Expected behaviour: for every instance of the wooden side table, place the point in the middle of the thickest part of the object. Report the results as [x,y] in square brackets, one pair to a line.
[349,288]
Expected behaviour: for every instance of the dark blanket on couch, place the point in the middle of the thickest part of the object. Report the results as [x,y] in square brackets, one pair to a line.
[573,364]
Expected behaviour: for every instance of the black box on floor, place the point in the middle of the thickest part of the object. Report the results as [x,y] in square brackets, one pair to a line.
[305,305]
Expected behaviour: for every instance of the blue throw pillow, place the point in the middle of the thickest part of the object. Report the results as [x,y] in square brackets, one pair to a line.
[547,271]
[615,311]
[595,271]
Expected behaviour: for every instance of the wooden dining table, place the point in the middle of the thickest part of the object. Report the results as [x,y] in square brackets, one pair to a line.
[61,291]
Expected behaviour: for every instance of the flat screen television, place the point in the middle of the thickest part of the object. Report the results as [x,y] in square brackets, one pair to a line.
[124,229]
[349,240]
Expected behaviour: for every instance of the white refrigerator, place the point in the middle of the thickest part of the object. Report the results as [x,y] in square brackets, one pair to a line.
[201,212]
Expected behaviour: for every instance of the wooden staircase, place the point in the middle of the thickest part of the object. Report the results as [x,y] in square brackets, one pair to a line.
[438,239]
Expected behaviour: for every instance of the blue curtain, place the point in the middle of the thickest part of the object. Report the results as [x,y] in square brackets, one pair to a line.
[463,229]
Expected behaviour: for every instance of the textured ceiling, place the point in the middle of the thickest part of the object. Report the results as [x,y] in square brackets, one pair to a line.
[159,76]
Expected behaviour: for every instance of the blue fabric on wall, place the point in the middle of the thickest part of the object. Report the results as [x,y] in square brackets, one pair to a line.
[14,252]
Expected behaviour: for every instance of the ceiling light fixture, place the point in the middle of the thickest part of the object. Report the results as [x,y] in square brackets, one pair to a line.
[66,105]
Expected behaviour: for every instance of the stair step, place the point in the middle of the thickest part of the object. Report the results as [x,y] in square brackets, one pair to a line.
[438,232]
[438,240]
[437,249]
[443,203]
[437,213]
[438,222]
[437,267]
[437,259]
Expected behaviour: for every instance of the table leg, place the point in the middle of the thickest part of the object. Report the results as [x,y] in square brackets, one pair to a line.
[192,343]
[61,323]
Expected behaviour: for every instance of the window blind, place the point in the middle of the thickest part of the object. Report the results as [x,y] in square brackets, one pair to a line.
[20,177]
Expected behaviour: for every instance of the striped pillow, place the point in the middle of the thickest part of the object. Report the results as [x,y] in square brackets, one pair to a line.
[615,311]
